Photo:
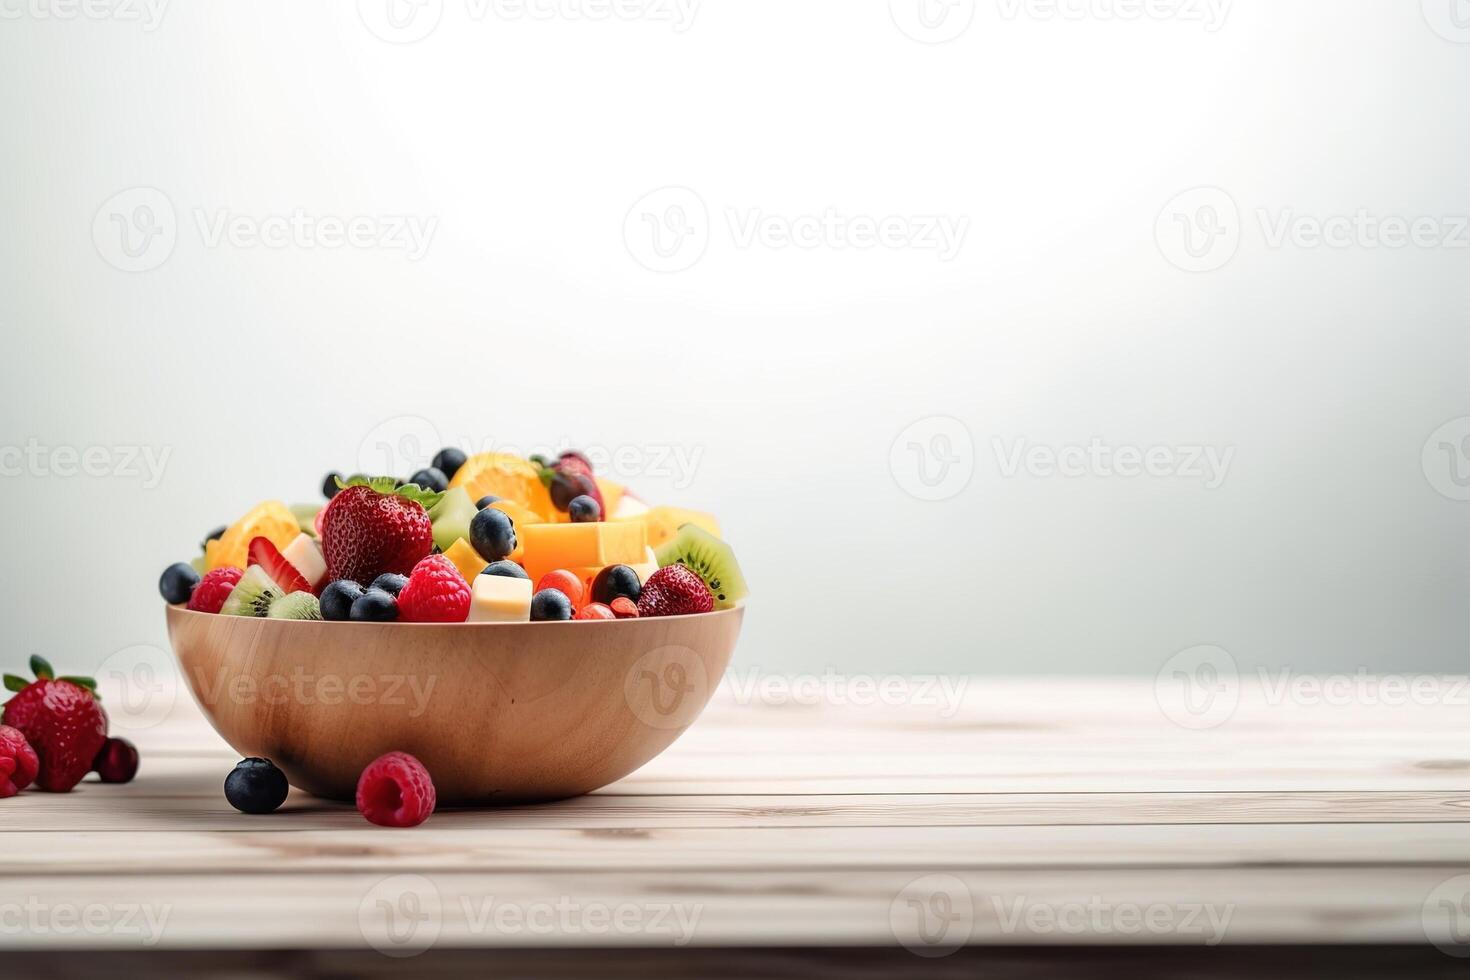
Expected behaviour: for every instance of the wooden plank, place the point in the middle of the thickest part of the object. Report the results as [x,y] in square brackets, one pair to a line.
[197,804]
[500,849]
[677,908]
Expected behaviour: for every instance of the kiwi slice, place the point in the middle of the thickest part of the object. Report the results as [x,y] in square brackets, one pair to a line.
[708,557]
[296,605]
[252,595]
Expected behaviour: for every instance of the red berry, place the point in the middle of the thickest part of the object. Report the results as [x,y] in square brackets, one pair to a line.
[435,593]
[395,791]
[265,554]
[564,582]
[117,761]
[367,531]
[18,762]
[674,591]
[624,608]
[214,588]
[63,723]
[594,610]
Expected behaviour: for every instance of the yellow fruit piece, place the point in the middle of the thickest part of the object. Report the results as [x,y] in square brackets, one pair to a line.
[272,520]
[612,495]
[577,546]
[506,476]
[499,599]
[664,522]
[522,516]
[464,557]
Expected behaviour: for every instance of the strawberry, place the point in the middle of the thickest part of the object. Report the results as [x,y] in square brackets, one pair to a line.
[18,763]
[63,721]
[371,528]
[282,572]
[674,591]
[435,593]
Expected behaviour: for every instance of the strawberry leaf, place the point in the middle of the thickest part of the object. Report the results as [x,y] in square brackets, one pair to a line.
[16,684]
[387,486]
[41,668]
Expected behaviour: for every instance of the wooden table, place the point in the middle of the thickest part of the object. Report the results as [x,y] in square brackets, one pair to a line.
[1053,814]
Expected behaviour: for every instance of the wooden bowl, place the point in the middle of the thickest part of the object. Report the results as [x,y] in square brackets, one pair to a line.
[498,712]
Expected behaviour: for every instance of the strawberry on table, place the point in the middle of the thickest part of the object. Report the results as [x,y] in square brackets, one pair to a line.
[371,527]
[63,721]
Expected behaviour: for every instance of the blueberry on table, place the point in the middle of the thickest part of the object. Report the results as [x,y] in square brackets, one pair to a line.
[375,606]
[432,478]
[390,583]
[550,604]
[493,534]
[177,582]
[448,461]
[584,509]
[256,786]
[337,599]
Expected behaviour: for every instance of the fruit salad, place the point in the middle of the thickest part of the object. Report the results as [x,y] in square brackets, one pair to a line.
[488,538]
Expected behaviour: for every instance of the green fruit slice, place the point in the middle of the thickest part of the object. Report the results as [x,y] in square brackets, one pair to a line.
[708,557]
[297,605]
[451,517]
[252,595]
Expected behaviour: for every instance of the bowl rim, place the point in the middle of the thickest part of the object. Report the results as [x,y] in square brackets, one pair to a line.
[180,609]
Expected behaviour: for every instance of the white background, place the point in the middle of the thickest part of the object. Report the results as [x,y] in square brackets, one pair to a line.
[1334,540]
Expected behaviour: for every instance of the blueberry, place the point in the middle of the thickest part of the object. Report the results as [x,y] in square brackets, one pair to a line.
[375,606]
[177,582]
[214,535]
[432,478]
[614,581]
[256,786]
[337,599]
[329,485]
[493,534]
[390,583]
[486,501]
[448,461]
[549,604]
[509,569]
[584,509]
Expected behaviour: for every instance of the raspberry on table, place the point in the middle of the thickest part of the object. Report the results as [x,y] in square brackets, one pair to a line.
[18,762]
[395,790]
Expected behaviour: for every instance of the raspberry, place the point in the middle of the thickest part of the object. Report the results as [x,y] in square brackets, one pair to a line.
[395,791]
[214,588]
[435,593]
[18,763]
[674,591]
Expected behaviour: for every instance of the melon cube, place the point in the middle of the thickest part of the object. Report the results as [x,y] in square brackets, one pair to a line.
[305,555]
[463,556]
[500,599]
[593,544]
